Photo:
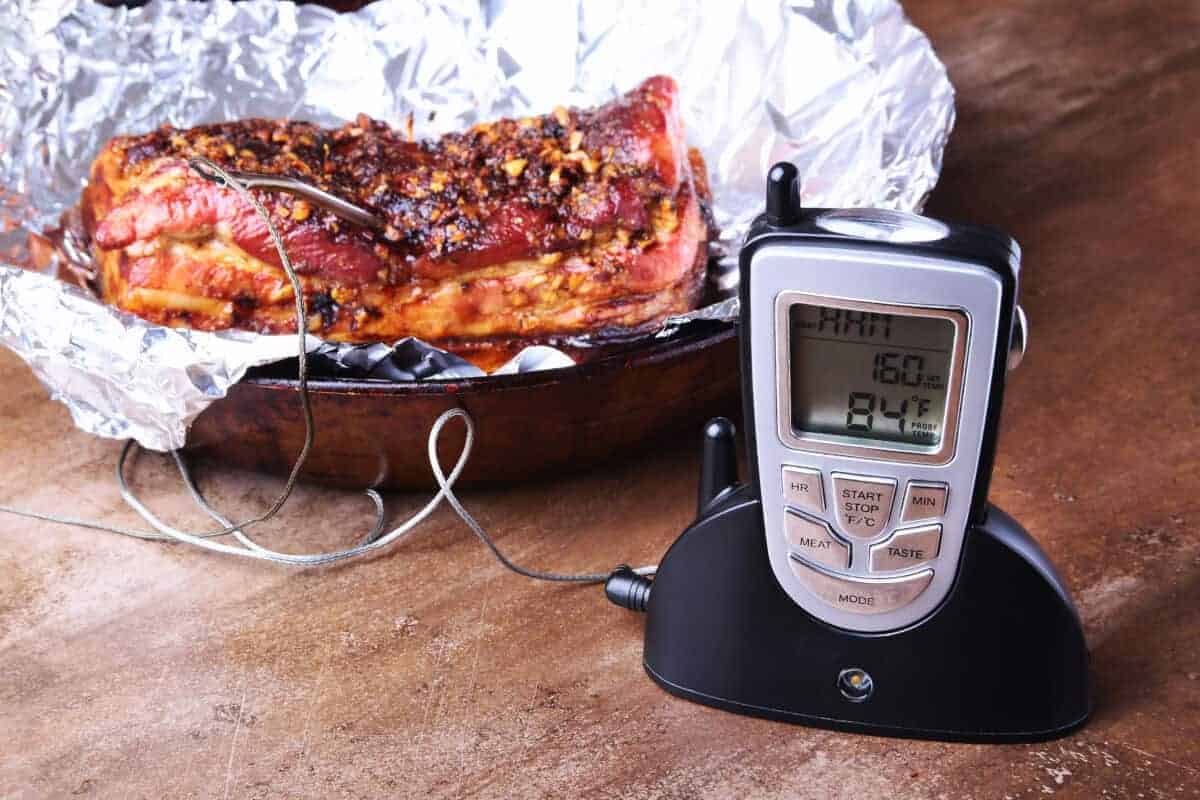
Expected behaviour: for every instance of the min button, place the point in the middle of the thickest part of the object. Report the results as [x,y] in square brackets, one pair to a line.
[923,501]
[864,504]
[802,489]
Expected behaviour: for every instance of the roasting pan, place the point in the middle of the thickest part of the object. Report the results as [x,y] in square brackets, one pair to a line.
[375,433]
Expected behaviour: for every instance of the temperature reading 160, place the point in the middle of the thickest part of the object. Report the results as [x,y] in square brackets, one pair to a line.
[903,368]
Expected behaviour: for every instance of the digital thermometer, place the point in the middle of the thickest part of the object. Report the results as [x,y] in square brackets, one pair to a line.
[878,343]
[859,579]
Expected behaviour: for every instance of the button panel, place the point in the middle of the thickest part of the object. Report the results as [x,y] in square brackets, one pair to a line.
[923,501]
[815,542]
[861,595]
[906,548]
[802,488]
[825,543]
[864,504]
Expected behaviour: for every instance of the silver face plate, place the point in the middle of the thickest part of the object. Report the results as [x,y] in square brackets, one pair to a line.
[843,276]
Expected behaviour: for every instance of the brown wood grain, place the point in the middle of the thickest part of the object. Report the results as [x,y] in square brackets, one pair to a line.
[141,670]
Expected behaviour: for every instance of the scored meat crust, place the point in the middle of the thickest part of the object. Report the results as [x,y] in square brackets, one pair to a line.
[514,231]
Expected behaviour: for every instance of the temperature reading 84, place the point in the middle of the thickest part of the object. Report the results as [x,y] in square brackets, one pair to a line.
[860,415]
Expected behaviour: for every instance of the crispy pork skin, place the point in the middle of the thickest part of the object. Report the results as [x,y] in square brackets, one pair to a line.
[519,230]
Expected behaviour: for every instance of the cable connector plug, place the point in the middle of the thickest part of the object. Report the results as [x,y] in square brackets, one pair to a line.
[627,589]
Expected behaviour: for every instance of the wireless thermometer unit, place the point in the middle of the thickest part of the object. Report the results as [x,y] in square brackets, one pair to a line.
[860,579]
[887,366]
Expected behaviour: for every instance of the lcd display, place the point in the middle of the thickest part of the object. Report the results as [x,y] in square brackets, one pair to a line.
[869,375]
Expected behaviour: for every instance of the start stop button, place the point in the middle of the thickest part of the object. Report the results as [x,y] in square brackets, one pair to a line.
[882,225]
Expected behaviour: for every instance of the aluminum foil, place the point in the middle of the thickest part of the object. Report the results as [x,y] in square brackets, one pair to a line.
[119,375]
[848,90]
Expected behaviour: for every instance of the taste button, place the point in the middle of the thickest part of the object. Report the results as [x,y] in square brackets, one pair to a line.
[906,548]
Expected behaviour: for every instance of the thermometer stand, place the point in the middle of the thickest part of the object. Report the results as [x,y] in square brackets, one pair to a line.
[1002,660]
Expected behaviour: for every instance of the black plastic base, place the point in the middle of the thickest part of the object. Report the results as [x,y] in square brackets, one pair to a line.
[1003,659]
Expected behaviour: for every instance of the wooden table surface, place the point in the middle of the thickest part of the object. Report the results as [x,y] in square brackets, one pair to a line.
[143,670]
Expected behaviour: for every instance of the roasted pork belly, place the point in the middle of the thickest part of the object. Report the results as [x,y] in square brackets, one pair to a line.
[522,230]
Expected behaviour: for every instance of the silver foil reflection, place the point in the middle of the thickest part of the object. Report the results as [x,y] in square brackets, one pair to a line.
[119,375]
[848,90]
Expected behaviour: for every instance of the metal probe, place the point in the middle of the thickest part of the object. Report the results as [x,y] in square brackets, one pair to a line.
[318,197]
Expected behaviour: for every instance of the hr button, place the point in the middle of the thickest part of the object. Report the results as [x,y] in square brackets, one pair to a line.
[802,488]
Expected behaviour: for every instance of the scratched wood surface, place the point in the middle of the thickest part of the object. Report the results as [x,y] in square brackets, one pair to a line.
[141,670]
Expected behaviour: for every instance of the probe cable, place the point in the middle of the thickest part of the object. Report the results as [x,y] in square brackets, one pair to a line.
[375,539]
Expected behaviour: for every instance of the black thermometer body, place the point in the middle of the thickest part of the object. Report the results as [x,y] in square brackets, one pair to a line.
[859,579]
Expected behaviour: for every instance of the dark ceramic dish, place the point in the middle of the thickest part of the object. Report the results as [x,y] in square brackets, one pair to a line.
[374,433]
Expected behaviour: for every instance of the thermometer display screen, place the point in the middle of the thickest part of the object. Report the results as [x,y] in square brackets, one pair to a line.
[869,375]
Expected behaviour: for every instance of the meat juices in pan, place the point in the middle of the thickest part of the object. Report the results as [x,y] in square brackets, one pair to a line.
[509,233]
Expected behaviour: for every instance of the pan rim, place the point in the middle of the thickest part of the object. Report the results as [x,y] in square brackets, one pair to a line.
[648,353]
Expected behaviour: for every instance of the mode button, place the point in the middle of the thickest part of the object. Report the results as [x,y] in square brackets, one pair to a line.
[859,595]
